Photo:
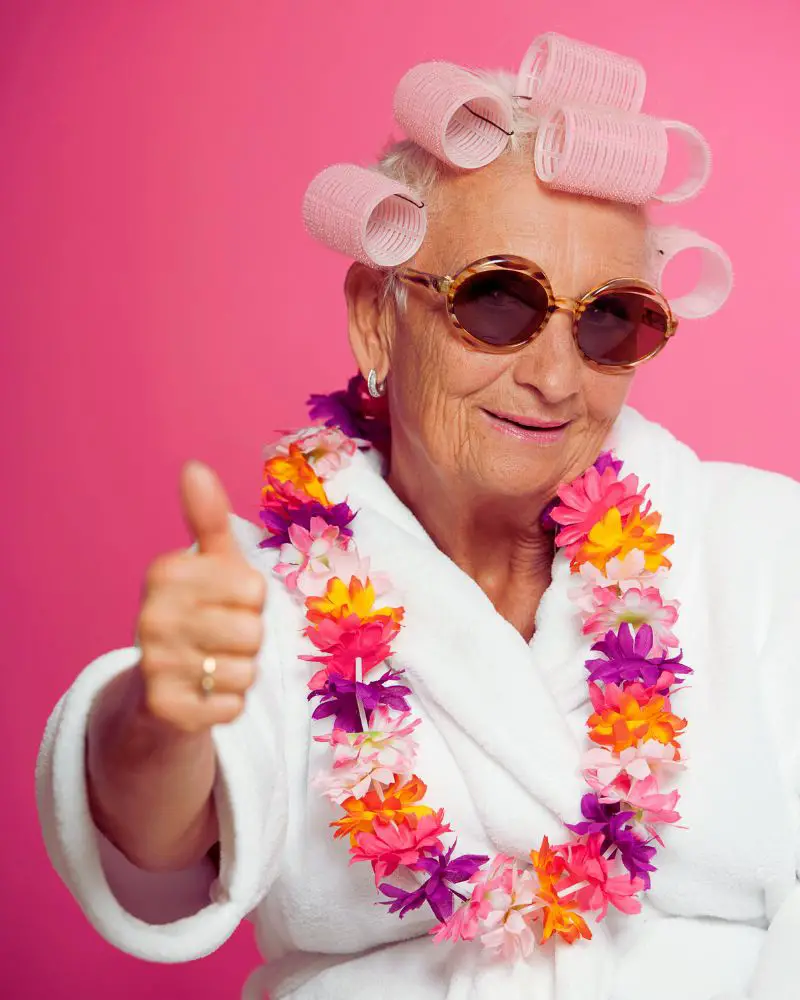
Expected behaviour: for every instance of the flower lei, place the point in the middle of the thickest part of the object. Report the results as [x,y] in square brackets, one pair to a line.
[611,536]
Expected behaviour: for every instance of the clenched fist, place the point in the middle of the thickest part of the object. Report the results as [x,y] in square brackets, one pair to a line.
[201,616]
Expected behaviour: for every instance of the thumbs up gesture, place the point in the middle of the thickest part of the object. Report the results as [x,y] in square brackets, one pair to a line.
[200,625]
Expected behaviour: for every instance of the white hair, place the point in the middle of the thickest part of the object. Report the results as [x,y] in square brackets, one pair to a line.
[421,172]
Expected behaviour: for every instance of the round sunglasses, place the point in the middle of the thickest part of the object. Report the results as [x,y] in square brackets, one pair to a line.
[499,304]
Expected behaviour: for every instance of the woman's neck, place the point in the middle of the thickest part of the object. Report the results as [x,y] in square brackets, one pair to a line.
[500,543]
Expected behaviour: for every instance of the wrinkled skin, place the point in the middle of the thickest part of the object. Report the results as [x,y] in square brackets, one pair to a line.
[477,491]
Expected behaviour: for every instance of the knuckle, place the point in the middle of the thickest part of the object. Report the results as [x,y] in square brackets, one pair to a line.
[166,571]
[252,632]
[246,674]
[157,619]
[256,587]
[157,572]
[231,709]
[156,704]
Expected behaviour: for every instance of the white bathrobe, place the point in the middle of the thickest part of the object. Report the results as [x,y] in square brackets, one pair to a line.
[500,744]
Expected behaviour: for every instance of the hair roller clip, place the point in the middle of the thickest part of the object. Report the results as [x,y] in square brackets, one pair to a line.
[453,114]
[365,215]
[560,70]
[616,155]
[716,275]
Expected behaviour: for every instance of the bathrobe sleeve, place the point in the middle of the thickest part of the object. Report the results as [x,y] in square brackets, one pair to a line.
[769,519]
[778,973]
[183,915]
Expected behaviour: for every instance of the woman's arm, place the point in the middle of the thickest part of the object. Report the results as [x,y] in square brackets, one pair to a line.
[150,784]
[150,758]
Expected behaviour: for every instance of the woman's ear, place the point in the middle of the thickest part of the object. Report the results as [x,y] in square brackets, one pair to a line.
[371,319]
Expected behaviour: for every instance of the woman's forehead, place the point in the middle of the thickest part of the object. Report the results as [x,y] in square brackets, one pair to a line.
[504,209]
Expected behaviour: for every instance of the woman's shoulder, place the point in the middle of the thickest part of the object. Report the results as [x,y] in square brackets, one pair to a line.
[659,455]
[753,487]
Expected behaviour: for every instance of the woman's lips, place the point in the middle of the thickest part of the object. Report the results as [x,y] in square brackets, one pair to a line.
[528,429]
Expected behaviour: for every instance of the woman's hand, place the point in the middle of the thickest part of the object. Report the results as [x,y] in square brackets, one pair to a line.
[202,606]
[151,760]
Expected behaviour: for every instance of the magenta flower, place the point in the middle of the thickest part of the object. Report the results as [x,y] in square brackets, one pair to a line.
[604,461]
[586,862]
[340,696]
[391,845]
[443,871]
[344,640]
[626,659]
[587,500]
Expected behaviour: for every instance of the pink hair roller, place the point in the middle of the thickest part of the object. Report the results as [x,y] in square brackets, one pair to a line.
[560,70]
[453,114]
[716,276]
[365,215]
[616,155]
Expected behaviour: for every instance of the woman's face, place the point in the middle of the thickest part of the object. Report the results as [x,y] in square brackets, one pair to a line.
[452,408]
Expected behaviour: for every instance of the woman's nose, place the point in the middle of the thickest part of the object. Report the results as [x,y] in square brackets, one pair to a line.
[551,364]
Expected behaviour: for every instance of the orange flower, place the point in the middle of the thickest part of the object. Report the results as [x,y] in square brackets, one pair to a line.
[558,917]
[614,537]
[400,802]
[548,865]
[358,599]
[294,468]
[631,723]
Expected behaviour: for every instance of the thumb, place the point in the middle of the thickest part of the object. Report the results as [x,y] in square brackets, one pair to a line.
[206,508]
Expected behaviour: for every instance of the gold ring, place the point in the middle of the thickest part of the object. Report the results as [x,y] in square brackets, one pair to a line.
[208,680]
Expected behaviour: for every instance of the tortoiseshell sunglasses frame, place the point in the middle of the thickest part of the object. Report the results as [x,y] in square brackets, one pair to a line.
[448,286]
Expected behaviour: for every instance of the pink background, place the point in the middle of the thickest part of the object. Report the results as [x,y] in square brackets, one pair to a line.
[160,300]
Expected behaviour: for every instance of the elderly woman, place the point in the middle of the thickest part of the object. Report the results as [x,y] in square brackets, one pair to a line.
[501,699]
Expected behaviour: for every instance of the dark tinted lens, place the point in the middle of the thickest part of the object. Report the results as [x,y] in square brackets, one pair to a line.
[619,328]
[501,308]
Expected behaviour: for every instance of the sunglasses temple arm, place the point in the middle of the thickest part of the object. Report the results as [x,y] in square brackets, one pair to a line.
[432,281]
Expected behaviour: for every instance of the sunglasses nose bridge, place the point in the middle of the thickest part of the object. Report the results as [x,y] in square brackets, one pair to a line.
[563,304]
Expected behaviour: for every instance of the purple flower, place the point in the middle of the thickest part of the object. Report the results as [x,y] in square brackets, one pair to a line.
[598,817]
[635,854]
[355,412]
[627,658]
[278,520]
[338,696]
[442,868]
[610,821]
[606,460]
[546,521]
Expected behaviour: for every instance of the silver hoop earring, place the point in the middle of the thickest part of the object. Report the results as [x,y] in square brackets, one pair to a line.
[375,388]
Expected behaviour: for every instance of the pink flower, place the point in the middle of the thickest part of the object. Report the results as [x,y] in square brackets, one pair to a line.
[382,753]
[584,861]
[347,563]
[391,845]
[636,606]
[507,927]
[611,774]
[651,807]
[463,925]
[343,640]
[587,500]
[501,909]
[305,561]
[326,449]
[619,574]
